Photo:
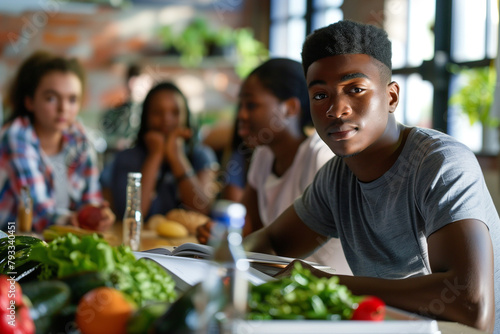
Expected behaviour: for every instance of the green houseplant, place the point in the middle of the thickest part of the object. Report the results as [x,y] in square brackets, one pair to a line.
[475,99]
[198,40]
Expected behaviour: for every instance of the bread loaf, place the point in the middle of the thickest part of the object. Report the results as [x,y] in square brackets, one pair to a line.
[190,219]
[153,221]
[171,229]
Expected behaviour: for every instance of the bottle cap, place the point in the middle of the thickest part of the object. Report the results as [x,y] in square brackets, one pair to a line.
[229,213]
[134,175]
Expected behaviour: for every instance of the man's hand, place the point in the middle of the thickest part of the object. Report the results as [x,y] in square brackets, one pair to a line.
[288,270]
[204,232]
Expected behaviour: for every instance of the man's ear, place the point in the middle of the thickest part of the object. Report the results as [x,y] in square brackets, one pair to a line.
[292,106]
[28,103]
[393,96]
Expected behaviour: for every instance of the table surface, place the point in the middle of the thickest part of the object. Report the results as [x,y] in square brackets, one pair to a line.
[149,239]
[456,328]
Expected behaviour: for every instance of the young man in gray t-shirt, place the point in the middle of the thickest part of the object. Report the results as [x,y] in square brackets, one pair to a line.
[410,205]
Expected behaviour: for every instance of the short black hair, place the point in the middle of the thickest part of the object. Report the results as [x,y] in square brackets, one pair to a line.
[347,37]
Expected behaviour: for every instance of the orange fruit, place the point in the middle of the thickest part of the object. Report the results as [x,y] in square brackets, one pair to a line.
[103,310]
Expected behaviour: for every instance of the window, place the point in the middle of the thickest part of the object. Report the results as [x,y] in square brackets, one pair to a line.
[288,28]
[474,42]
[325,12]
[410,25]
[290,23]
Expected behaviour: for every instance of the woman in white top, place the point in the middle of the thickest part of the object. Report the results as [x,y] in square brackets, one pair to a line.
[273,115]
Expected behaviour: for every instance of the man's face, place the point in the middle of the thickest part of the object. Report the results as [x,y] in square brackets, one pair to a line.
[350,103]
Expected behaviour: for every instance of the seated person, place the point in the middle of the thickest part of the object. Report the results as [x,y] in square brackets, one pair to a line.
[410,205]
[236,160]
[176,171]
[273,113]
[121,122]
[43,148]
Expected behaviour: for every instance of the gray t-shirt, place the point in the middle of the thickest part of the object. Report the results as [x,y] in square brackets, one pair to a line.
[383,225]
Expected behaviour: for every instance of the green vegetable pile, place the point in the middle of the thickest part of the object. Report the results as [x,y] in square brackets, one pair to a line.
[143,281]
[302,296]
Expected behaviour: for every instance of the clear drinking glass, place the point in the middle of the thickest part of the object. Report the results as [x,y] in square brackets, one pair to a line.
[132,218]
[25,211]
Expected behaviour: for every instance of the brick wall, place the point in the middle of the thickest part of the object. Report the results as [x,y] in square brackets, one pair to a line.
[105,39]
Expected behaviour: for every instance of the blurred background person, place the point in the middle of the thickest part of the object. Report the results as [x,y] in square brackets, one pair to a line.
[177,171]
[43,147]
[235,161]
[121,123]
[273,117]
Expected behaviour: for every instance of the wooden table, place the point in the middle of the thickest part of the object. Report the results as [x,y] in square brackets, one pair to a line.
[445,327]
[456,328]
[149,239]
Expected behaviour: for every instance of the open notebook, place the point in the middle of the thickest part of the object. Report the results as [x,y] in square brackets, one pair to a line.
[189,263]
[266,263]
[187,272]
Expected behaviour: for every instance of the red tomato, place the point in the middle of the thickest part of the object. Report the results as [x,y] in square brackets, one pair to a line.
[14,314]
[10,290]
[370,308]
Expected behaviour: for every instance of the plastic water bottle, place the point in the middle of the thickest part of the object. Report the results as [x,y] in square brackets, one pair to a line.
[224,293]
[132,218]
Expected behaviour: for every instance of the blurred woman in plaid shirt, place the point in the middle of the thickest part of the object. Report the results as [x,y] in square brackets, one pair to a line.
[45,149]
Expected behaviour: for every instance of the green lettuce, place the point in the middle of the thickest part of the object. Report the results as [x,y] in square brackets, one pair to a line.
[143,281]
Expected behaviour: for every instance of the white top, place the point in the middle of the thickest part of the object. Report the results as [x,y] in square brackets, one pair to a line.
[275,194]
[61,187]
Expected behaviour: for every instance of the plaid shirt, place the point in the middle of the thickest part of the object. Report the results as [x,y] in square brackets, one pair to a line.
[23,163]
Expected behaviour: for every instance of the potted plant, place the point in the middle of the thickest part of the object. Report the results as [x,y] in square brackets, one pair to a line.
[198,40]
[250,52]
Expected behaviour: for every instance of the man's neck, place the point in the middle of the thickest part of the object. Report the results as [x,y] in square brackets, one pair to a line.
[374,162]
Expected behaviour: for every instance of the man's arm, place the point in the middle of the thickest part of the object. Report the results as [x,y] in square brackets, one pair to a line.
[286,236]
[460,287]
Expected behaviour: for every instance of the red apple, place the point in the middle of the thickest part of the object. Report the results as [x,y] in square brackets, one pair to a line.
[89,217]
